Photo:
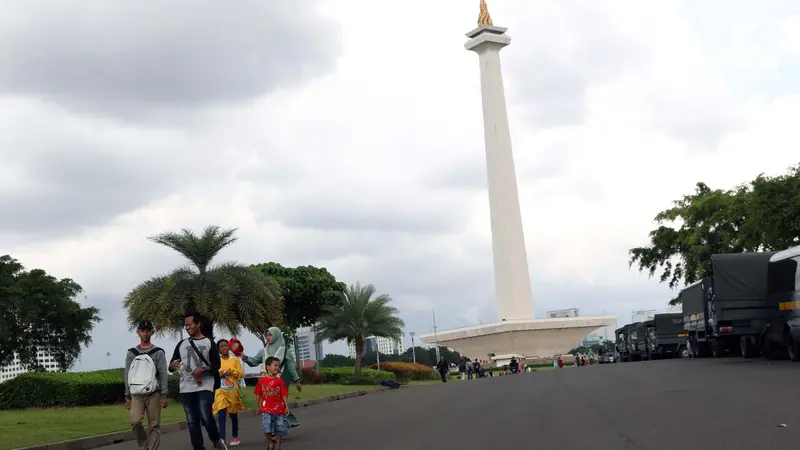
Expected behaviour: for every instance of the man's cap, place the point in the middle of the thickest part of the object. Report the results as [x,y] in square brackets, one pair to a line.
[145,325]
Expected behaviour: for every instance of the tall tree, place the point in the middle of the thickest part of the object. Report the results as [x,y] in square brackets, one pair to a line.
[305,290]
[229,295]
[39,313]
[696,227]
[761,215]
[773,206]
[357,317]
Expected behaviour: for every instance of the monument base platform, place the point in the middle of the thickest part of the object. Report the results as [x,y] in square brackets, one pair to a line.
[525,338]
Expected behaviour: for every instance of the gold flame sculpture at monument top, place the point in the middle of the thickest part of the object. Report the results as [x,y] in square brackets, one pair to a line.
[484,18]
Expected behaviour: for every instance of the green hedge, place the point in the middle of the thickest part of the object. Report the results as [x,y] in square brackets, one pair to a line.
[340,375]
[48,389]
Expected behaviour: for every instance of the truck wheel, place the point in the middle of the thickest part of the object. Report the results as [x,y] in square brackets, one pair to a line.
[684,352]
[794,351]
[717,348]
[748,349]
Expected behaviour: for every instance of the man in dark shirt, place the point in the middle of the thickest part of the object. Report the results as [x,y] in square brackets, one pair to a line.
[443,368]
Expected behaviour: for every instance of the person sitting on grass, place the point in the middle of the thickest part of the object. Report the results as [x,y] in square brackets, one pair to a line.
[272,397]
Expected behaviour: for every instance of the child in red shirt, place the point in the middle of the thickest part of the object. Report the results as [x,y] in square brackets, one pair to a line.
[273,405]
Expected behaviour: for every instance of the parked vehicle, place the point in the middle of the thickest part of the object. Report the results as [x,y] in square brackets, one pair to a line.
[729,311]
[621,343]
[666,336]
[637,342]
[781,338]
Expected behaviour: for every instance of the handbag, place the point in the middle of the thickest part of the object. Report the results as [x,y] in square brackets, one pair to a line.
[217,381]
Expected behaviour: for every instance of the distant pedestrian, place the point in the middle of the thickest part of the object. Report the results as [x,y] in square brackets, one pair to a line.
[273,404]
[228,399]
[462,369]
[443,368]
[560,363]
[469,369]
[146,387]
[196,358]
[476,367]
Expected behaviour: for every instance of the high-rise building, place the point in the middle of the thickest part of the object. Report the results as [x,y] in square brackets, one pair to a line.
[387,346]
[307,348]
[15,368]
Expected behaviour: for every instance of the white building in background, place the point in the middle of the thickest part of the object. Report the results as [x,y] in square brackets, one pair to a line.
[643,316]
[569,312]
[15,368]
[307,348]
[387,346]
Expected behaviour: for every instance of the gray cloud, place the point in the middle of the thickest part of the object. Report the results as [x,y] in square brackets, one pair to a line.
[562,56]
[113,56]
[353,207]
[67,173]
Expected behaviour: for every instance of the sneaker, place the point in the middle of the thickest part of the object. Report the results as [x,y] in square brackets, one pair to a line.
[220,445]
[235,442]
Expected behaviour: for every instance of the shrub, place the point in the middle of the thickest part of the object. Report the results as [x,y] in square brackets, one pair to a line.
[359,381]
[43,389]
[339,374]
[408,371]
[47,389]
[311,376]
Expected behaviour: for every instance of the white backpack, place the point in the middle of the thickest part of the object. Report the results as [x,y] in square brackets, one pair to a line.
[142,374]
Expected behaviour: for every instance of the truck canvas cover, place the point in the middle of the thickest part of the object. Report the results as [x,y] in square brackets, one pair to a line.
[693,297]
[741,276]
[670,323]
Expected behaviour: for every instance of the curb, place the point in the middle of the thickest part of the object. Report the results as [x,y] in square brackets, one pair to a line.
[117,437]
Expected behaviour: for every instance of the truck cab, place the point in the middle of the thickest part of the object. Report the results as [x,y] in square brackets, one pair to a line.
[668,338]
[637,341]
[621,343]
[783,333]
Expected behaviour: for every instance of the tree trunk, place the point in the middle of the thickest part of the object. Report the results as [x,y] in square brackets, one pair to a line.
[359,344]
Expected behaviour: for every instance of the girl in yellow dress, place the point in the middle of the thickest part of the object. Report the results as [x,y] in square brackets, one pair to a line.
[228,399]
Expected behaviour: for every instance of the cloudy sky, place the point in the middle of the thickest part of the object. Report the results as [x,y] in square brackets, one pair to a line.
[347,134]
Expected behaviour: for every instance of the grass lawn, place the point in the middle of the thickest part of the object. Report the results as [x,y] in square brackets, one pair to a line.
[23,428]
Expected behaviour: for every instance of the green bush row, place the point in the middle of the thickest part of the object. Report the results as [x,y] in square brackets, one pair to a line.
[48,389]
[340,375]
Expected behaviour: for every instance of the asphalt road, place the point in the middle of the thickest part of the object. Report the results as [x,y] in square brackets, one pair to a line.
[683,404]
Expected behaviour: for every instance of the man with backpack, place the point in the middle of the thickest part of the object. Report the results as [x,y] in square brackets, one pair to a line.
[146,387]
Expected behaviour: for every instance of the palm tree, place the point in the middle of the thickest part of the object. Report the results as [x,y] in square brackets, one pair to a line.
[228,295]
[359,316]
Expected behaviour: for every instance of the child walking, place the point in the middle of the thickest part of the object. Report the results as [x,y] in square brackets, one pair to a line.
[273,404]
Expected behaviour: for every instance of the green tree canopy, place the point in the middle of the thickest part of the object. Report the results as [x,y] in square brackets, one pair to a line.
[305,290]
[39,312]
[761,215]
[228,295]
[357,317]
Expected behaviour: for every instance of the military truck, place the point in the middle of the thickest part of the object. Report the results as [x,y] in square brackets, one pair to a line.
[637,342]
[621,343]
[782,336]
[666,337]
[729,311]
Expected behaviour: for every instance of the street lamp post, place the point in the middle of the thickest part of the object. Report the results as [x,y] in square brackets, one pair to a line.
[108,359]
[413,348]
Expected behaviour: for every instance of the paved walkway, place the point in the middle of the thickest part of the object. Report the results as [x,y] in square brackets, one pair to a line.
[685,404]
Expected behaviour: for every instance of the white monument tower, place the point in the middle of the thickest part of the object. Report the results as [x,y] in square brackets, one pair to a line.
[512,279]
[517,332]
